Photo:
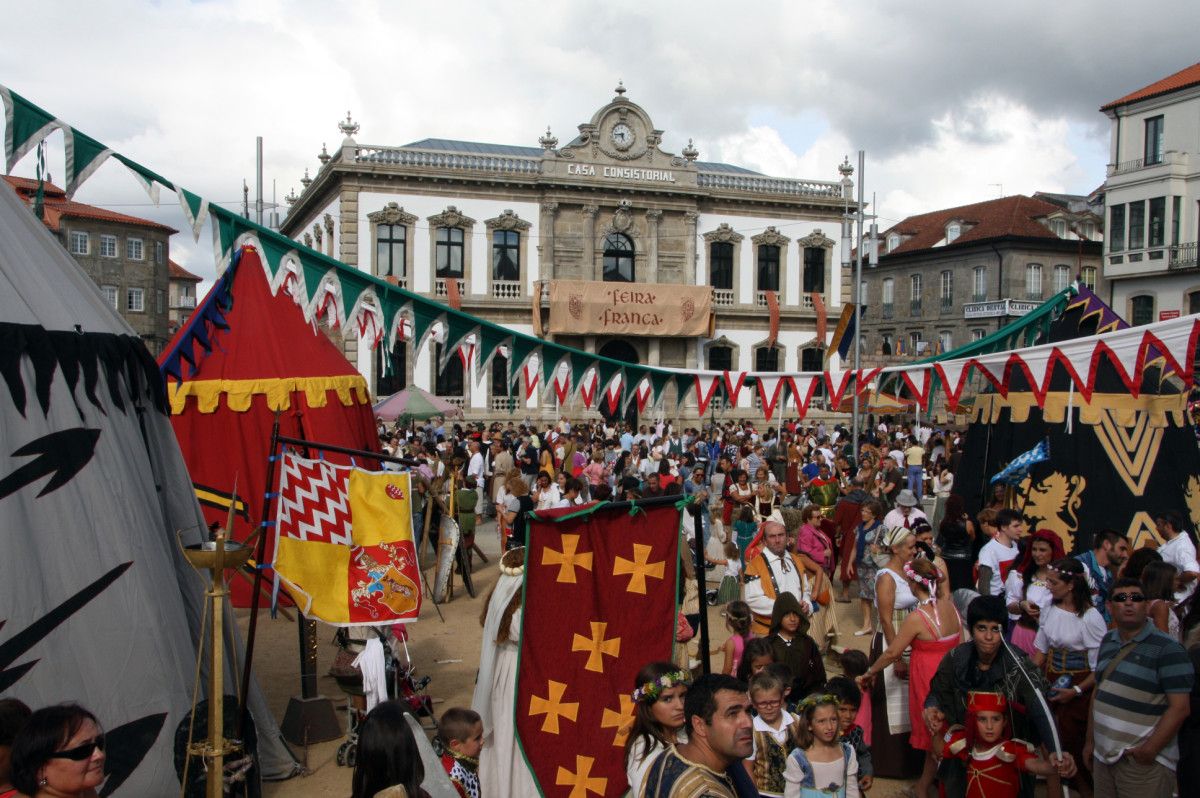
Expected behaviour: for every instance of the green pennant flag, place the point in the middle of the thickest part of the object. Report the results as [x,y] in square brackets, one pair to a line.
[313,272]
[606,369]
[84,157]
[195,210]
[580,363]
[633,378]
[685,385]
[659,380]
[390,311]
[458,327]
[225,231]
[149,180]
[423,319]
[352,286]
[25,126]
[491,338]
[552,355]
[522,349]
[273,252]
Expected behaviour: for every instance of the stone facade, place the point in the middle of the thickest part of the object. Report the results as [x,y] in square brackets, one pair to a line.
[183,296]
[518,217]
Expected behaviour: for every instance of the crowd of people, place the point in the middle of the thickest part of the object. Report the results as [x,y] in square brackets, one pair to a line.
[995,658]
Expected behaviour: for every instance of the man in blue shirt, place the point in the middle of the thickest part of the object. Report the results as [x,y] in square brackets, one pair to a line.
[626,439]
[1109,551]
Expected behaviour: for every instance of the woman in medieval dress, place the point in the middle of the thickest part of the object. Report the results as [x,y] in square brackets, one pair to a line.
[502,767]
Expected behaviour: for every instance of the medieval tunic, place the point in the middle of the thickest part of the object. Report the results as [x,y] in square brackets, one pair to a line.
[672,776]
[894,757]
[768,575]
[768,754]
[991,772]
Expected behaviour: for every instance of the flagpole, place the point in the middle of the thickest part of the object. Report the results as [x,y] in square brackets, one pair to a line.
[857,295]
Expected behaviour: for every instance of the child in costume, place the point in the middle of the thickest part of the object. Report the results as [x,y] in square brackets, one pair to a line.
[994,762]
[850,698]
[744,530]
[657,718]
[730,588]
[459,741]
[774,734]
[822,766]
[737,621]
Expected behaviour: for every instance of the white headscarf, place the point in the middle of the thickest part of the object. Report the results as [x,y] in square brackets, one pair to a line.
[507,587]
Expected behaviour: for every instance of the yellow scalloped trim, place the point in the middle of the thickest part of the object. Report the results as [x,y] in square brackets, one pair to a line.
[351,389]
[1166,410]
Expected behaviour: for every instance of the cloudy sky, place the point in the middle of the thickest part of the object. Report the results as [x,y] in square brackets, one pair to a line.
[953,102]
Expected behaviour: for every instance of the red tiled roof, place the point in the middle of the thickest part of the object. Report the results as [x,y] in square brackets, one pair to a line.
[1180,80]
[1009,216]
[177,272]
[58,207]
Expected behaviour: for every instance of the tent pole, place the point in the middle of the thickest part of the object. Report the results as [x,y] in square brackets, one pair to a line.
[701,585]
[256,590]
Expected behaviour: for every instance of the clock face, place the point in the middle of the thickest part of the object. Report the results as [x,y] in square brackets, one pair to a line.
[622,136]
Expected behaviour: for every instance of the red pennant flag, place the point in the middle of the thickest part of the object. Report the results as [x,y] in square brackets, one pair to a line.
[954,377]
[733,387]
[863,379]
[769,389]
[837,382]
[921,394]
[643,395]
[599,604]
[531,381]
[706,388]
[614,395]
[803,388]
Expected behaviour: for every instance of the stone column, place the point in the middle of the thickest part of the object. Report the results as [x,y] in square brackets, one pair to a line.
[589,344]
[653,352]
[589,265]
[348,223]
[652,219]
[546,242]
[689,258]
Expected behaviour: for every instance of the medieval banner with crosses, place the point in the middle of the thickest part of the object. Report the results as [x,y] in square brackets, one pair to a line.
[600,602]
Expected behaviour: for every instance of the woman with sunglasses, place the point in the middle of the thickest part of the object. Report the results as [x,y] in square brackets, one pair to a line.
[59,752]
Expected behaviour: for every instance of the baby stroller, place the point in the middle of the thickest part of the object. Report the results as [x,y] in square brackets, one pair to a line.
[402,683]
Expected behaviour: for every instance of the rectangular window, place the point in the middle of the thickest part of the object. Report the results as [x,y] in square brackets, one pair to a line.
[720,358]
[977,335]
[449,381]
[79,243]
[1059,226]
[108,246]
[1137,224]
[768,267]
[889,291]
[159,252]
[1142,310]
[1175,211]
[110,295]
[1089,231]
[500,384]
[390,251]
[506,255]
[1062,277]
[135,300]
[980,287]
[1158,221]
[945,340]
[1116,228]
[1087,276]
[766,359]
[862,293]
[450,257]
[947,286]
[915,287]
[1033,281]
[720,265]
[1154,140]
[160,301]
[914,343]
[814,269]
[134,249]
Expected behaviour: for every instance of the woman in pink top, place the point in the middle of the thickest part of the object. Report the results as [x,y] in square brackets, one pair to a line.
[811,540]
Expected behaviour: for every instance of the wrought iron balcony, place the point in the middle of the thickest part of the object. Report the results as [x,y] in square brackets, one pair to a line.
[1183,256]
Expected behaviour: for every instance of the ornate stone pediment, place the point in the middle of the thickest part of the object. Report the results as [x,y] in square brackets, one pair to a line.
[451,217]
[508,220]
[724,234]
[771,237]
[816,239]
[622,221]
[392,214]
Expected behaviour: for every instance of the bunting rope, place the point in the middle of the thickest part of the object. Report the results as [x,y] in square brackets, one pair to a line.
[376,310]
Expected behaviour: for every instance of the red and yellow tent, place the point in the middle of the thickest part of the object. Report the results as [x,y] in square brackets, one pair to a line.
[245,355]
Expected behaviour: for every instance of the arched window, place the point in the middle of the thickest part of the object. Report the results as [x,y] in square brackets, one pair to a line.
[720,265]
[506,255]
[1141,310]
[766,358]
[720,358]
[813,359]
[618,258]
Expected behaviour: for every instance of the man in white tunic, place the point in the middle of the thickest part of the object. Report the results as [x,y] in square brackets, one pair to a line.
[775,570]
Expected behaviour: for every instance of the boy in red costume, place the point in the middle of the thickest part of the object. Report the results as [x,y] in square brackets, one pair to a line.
[994,762]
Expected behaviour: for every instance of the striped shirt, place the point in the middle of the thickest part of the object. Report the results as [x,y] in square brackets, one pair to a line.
[1131,700]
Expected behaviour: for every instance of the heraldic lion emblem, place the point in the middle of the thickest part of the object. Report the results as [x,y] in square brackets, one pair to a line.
[575,306]
[1054,504]
[689,309]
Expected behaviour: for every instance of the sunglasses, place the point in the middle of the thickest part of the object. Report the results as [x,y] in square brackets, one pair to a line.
[1121,598]
[81,752]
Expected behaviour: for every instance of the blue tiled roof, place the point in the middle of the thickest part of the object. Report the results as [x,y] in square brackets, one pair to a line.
[480,148]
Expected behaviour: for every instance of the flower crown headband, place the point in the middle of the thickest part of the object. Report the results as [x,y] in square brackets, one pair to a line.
[816,700]
[930,583]
[652,690]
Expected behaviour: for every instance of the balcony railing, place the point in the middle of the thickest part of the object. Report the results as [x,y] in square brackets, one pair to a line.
[1033,296]
[760,298]
[504,404]
[442,161]
[770,185]
[806,300]
[723,297]
[508,289]
[458,401]
[888,310]
[185,302]
[1169,158]
[1183,256]
[947,304]
[439,287]
[979,297]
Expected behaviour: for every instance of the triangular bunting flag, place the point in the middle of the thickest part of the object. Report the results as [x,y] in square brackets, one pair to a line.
[522,350]
[644,391]
[863,380]
[613,395]
[195,210]
[1039,366]
[917,381]
[768,393]
[84,156]
[837,382]
[25,126]
[562,383]
[803,387]
[587,388]
[531,380]
[733,385]
[953,374]
[147,179]
[706,387]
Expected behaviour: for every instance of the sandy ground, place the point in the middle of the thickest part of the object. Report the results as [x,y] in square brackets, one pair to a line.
[448,652]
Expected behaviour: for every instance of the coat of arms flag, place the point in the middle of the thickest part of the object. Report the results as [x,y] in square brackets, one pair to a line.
[344,547]
[600,602]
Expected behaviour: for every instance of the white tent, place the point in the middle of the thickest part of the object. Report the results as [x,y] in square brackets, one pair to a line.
[97,604]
